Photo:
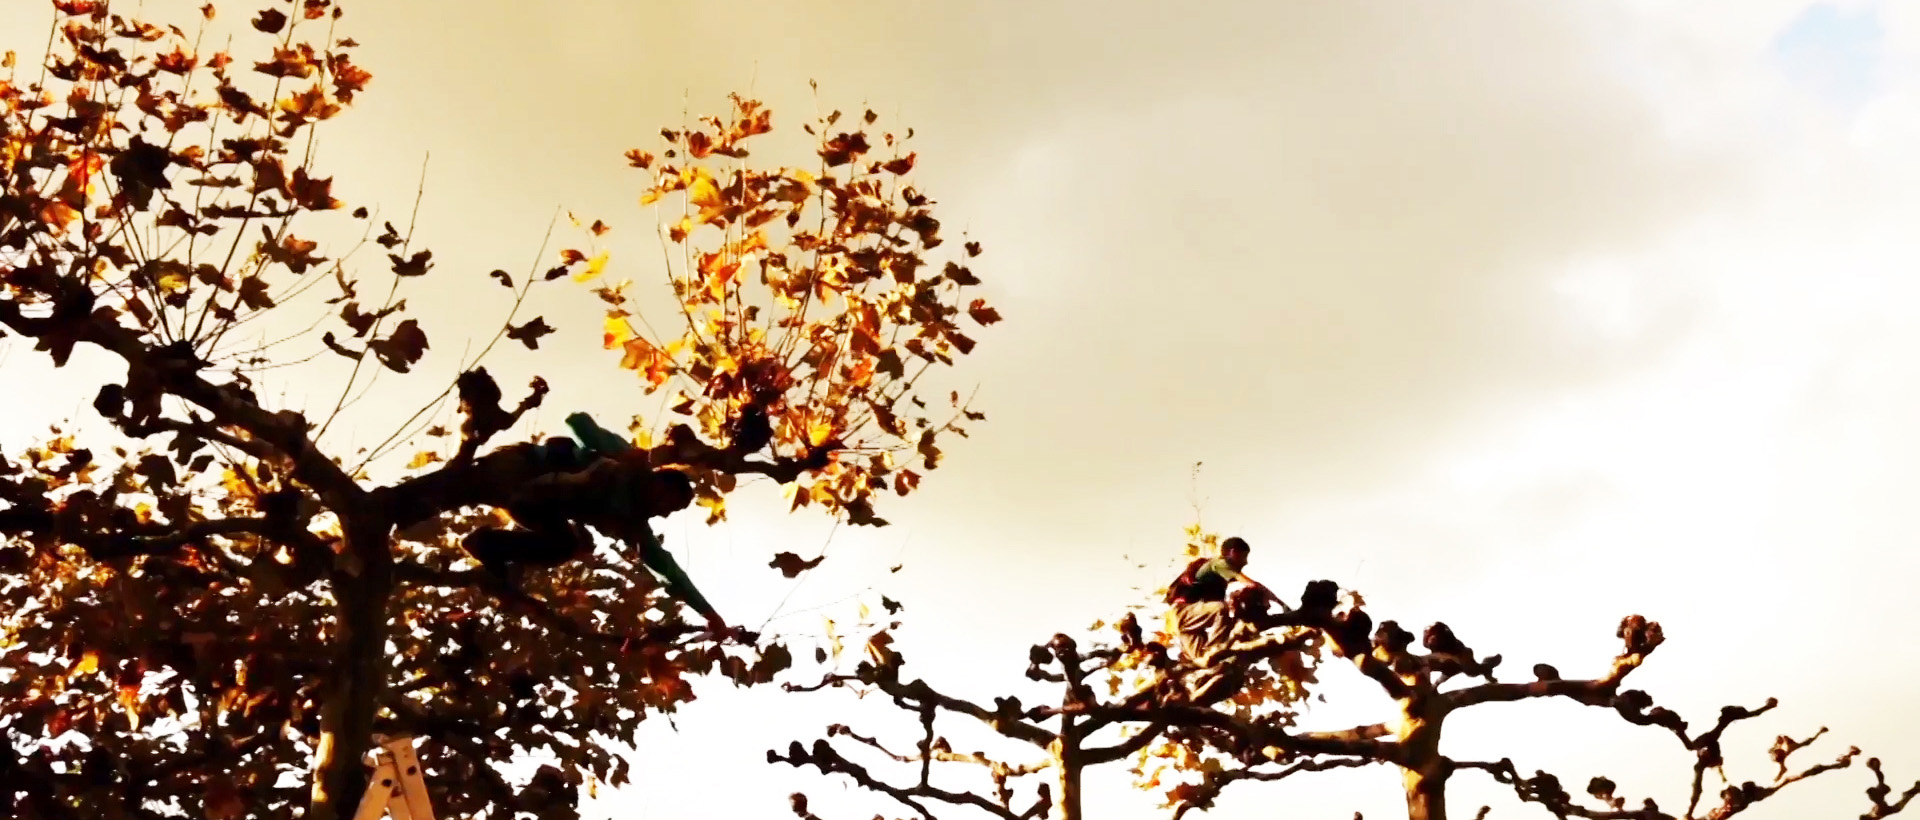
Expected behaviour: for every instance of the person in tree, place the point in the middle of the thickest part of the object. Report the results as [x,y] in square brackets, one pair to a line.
[557,489]
[1212,600]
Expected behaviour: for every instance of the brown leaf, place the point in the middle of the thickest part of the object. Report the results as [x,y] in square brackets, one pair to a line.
[959,275]
[312,194]
[270,21]
[253,293]
[415,265]
[505,280]
[900,165]
[529,334]
[844,148]
[403,349]
[906,481]
[348,79]
[981,313]
[791,565]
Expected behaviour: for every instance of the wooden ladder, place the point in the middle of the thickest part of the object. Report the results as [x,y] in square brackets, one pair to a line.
[396,790]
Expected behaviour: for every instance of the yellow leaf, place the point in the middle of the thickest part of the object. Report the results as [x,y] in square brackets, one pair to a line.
[819,431]
[87,664]
[422,459]
[595,266]
[618,331]
[703,193]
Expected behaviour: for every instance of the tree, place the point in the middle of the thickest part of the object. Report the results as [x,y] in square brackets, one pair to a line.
[212,608]
[1119,698]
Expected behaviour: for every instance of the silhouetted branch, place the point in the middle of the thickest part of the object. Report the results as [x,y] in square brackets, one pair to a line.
[822,756]
[1202,795]
[513,600]
[1877,794]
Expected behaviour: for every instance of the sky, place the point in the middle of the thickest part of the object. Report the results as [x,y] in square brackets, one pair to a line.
[1524,316]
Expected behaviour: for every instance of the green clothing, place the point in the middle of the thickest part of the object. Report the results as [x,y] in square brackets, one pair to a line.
[661,563]
[1206,579]
[596,441]
[594,438]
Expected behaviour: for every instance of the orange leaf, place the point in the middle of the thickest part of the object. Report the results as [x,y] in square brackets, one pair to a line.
[58,214]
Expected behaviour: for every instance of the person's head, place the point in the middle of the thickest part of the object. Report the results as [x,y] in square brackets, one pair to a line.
[1235,550]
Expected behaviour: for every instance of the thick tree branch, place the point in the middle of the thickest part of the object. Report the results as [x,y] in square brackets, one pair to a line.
[174,369]
[1118,751]
[1641,637]
[1877,794]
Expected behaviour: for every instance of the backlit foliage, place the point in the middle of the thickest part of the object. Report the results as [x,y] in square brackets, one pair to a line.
[808,301]
[190,600]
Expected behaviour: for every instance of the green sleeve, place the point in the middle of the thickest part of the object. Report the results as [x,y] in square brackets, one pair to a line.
[1220,567]
[662,564]
[594,437]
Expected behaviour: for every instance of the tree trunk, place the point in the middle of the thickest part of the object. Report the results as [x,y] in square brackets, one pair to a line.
[1424,771]
[358,670]
[1067,763]
[1426,794]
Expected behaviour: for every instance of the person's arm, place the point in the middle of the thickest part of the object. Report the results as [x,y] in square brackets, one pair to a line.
[1233,576]
[661,563]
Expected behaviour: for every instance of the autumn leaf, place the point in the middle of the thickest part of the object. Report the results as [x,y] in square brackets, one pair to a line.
[906,481]
[348,79]
[595,266]
[312,194]
[502,277]
[880,650]
[844,148]
[900,165]
[309,105]
[981,313]
[415,265]
[529,333]
[403,348]
[704,193]
[270,21]
[617,331]
[422,459]
[791,565]
[253,293]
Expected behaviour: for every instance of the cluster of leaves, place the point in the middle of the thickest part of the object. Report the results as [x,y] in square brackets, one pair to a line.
[157,186]
[809,309]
